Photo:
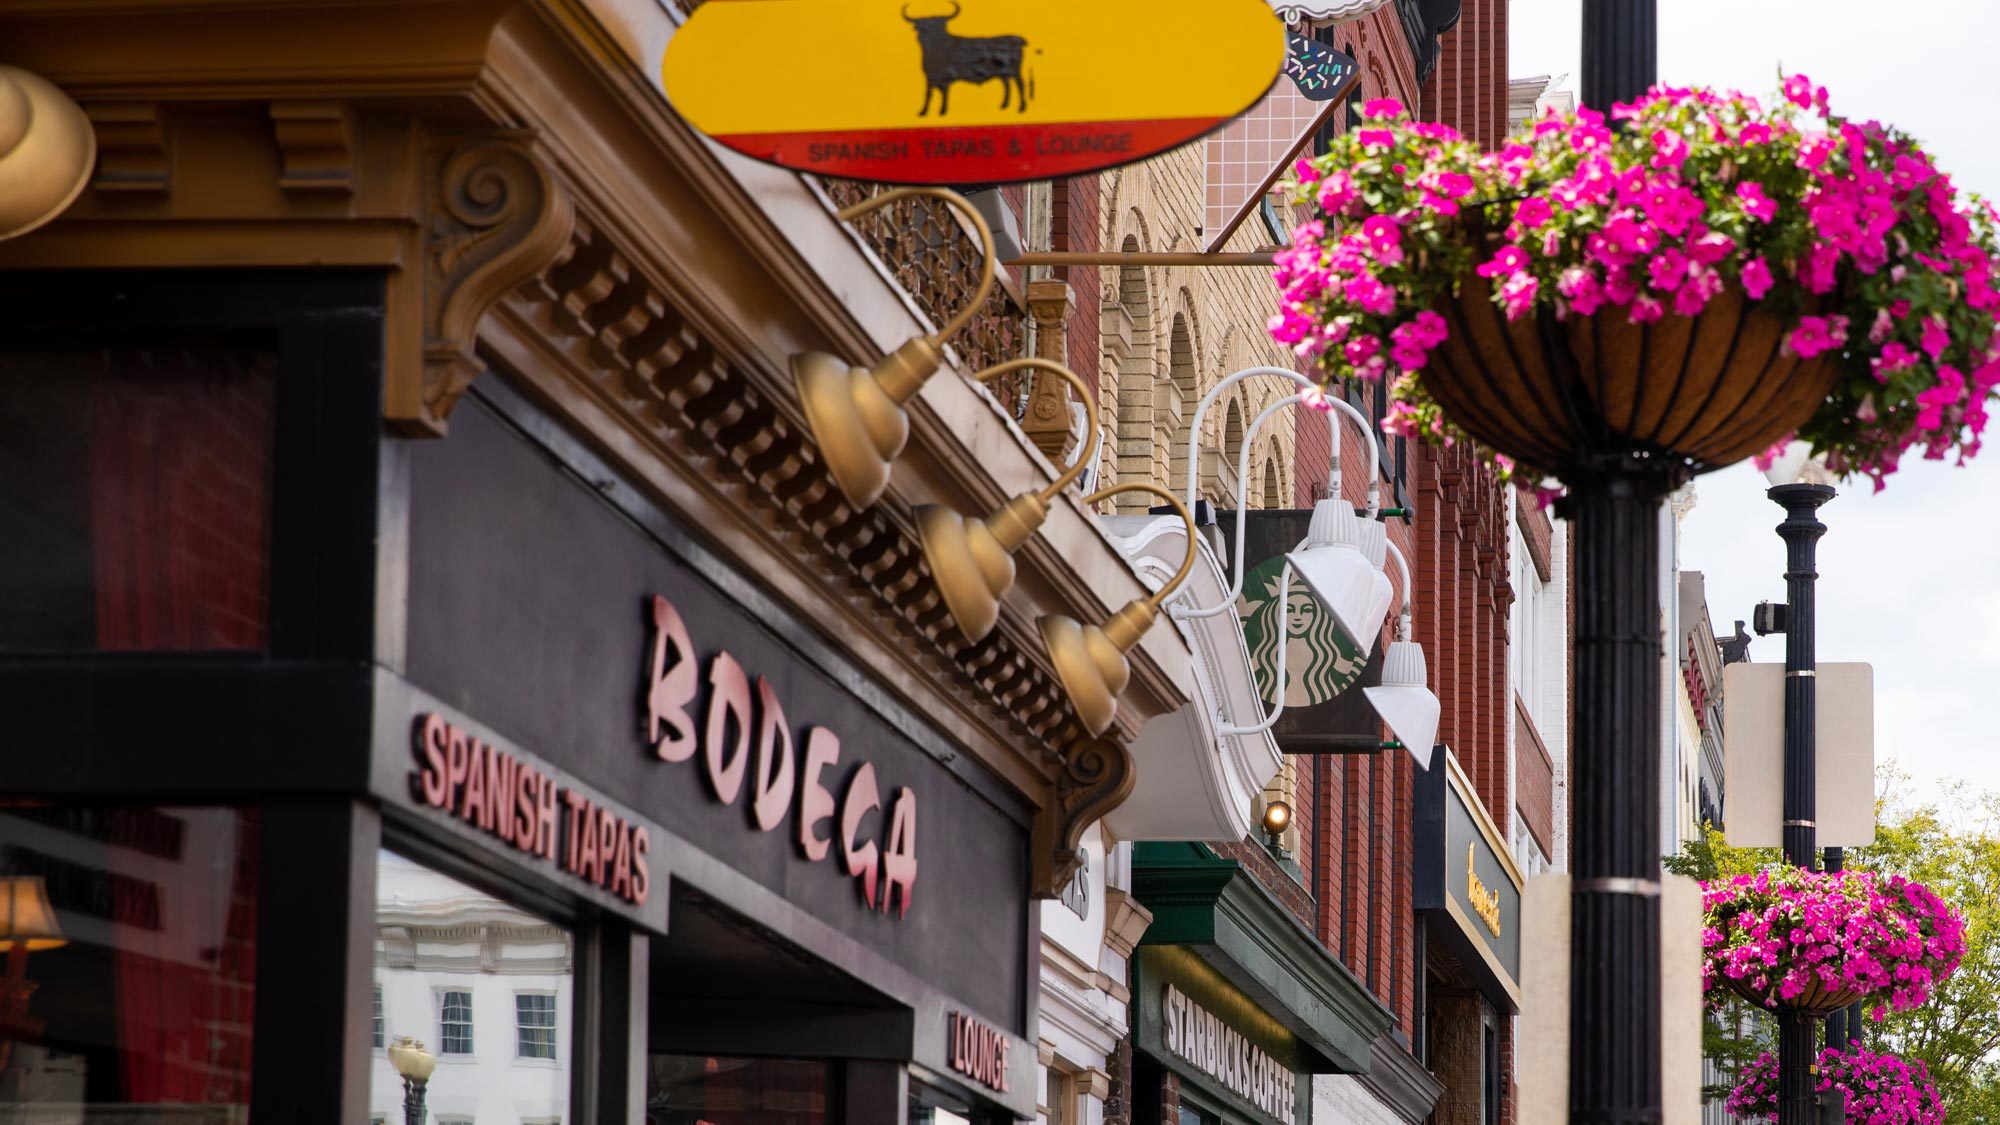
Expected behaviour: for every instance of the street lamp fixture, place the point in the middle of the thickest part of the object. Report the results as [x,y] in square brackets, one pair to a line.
[415,1064]
[856,413]
[1340,562]
[1090,659]
[973,560]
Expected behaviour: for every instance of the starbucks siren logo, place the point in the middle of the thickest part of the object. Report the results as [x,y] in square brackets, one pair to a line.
[1319,663]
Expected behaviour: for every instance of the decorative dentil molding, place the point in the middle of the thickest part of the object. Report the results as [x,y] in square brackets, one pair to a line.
[134,147]
[315,145]
[652,364]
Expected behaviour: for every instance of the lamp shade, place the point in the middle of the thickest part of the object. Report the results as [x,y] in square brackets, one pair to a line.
[1405,701]
[1375,548]
[47,148]
[410,1059]
[27,921]
[1797,465]
[1332,564]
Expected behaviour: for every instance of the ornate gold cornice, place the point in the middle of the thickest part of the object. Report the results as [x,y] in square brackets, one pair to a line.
[641,355]
[531,201]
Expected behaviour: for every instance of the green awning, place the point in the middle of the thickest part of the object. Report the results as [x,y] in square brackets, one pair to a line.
[1223,914]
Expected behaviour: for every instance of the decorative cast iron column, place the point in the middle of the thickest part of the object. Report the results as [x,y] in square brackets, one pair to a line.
[1615,910]
[1798,1034]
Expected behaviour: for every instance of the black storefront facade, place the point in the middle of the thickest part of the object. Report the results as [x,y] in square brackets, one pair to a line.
[465,740]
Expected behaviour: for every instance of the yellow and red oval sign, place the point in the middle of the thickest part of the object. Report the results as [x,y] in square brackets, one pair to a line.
[968,91]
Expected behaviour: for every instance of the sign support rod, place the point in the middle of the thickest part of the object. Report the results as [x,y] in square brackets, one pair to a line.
[1145,258]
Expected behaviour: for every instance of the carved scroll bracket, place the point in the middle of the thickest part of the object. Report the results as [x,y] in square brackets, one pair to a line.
[495,218]
[1096,777]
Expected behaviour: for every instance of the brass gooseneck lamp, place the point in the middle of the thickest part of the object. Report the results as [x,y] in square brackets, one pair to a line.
[47,149]
[1090,659]
[973,560]
[856,413]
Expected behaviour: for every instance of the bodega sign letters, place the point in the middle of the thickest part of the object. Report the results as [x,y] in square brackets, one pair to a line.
[765,771]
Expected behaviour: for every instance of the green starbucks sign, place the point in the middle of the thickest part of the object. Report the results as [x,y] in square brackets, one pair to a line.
[1319,662]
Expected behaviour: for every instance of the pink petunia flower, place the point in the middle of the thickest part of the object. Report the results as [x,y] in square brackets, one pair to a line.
[1756,204]
[1757,278]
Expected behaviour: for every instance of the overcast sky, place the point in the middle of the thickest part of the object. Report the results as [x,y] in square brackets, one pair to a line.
[1910,578]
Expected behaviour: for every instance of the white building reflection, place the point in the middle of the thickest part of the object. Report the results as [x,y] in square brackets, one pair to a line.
[485,986]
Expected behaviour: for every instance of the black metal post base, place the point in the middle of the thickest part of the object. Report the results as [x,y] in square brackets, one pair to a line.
[1614,1044]
[1798,1050]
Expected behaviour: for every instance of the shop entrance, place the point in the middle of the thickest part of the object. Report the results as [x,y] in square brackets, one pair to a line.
[746,1027]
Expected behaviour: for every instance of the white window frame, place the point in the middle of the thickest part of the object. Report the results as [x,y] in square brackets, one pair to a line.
[471,1023]
[555,1023]
[379,1025]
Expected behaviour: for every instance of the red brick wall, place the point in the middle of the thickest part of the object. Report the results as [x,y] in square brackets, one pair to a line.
[1073,222]
[1534,780]
[1468,90]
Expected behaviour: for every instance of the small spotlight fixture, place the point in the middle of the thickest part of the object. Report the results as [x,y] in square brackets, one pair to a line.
[1277,818]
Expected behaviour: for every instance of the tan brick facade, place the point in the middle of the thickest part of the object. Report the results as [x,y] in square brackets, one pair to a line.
[1169,334]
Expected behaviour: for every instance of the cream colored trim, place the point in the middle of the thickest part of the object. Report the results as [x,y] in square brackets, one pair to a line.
[1481,818]
[1476,933]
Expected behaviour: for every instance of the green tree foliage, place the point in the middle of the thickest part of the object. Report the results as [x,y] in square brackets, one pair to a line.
[1951,847]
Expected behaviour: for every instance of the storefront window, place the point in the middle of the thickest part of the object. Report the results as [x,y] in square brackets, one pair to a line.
[485,985]
[135,497]
[129,941]
[717,1090]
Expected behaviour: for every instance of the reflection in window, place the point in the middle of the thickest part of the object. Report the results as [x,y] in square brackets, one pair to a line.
[455,1028]
[135,487]
[696,1089]
[453,963]
[132,934]
[376,1041]
[535,1025]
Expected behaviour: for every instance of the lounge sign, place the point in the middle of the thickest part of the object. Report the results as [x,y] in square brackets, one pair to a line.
[967,91]
[1465,872]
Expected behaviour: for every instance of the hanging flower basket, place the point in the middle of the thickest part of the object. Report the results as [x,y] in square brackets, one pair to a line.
[1691,288]
[1881,1089]
[1818,941]
[1816,998]
[1712,389]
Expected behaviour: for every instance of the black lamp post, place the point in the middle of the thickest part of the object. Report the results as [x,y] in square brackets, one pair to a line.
[1798,1032]
[1614,1068]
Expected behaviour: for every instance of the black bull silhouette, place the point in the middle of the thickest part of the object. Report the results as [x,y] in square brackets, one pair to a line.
[952,58]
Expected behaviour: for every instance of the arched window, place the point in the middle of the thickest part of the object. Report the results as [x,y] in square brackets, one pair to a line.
[1223,489]
[1131,332]
[1274,483]
[1178,397]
